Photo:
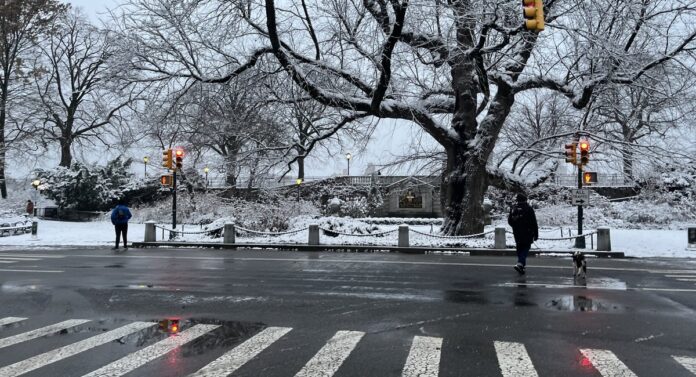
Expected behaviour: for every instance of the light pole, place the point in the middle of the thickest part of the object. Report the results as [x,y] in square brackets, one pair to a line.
[348,157]
[36,183]
[206,170]
[146,160]
[298,181]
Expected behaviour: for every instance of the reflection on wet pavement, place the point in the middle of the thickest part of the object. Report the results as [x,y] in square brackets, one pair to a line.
[580,303]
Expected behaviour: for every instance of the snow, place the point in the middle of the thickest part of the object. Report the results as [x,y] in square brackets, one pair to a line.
[634,242]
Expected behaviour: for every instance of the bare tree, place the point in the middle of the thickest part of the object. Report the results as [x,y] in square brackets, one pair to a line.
[78,94]
[22,22]
[634,115]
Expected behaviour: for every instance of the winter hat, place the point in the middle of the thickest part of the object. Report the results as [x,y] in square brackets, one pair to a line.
[521,197]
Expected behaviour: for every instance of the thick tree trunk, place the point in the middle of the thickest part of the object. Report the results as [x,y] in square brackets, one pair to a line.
[231,169]
[627,157]
[65,152]
[300,168]
[463,187]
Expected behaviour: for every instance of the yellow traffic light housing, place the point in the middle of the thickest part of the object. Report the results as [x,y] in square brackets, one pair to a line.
[584,152]
[533,11]
[571,154]
[167,160]
[179,156]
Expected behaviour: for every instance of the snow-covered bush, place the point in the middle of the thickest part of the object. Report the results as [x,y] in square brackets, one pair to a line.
[346,225]
[91,188]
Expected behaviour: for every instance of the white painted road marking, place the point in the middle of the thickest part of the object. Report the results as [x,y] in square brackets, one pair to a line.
[9,320]
[36,362]
[48,330]
[606,363]
[44,271]
[145,355]
[687,362]
[240,355]
[3,255]
[424,358]
[8,261]
[514,360]
[330,357]
[19,259]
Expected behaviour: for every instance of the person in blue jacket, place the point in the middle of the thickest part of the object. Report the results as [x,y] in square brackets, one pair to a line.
[119,217]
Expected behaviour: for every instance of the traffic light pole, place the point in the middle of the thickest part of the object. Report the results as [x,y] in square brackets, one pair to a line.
[174,200]
[580,241]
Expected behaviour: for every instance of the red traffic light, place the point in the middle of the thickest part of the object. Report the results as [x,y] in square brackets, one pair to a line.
[585,146]
[179,153]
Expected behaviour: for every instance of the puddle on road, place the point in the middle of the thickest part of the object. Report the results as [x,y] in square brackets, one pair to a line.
[580,303]
[465,296]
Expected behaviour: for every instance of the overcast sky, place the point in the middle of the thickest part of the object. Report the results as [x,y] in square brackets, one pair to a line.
[94,8]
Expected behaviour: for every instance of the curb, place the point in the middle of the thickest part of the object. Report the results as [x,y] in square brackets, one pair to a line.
[369,248]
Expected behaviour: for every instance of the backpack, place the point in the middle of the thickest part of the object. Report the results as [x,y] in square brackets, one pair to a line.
[516,215]
[120,214]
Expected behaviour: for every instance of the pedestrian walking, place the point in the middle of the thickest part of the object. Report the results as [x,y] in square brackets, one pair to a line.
[119,217]
[525,229]
[30,208]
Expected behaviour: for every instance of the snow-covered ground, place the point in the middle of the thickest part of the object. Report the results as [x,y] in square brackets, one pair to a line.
[634,242]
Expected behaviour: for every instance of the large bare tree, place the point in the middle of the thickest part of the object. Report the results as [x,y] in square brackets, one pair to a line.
[78,91]
[22,22]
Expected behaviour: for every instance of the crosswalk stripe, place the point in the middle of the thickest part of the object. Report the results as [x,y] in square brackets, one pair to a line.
[145,355]
[20,259]
[36,362]
[10,320]
[48,330]
[330,357]
[240,355]
[8,261]
[680,276]
[606,363]
[424,358]
[687,362]
[514,360]
[686,279]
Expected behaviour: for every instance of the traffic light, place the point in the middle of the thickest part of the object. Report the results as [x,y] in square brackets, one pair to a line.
[584,152]
[179,155]
[166,180]
[167,159]
[589,177]
[571,154]
[533,11]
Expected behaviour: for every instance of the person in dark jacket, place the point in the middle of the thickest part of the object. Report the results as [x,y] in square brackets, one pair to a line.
[119,217]
[525,229]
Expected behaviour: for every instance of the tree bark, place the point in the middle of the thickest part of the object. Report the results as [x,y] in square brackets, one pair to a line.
[65,151]
[300,168]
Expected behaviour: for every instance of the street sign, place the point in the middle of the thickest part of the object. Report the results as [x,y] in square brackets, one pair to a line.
[580,197]
[692,236]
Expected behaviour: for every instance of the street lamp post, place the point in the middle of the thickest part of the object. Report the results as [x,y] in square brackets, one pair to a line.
[146,160]
[348,157]
[298,181]
[206,170]
[36,183]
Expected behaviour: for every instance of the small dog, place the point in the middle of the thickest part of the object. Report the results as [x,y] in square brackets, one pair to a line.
[579,265]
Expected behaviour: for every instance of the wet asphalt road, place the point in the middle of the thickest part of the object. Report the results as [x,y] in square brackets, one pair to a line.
[642,311]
